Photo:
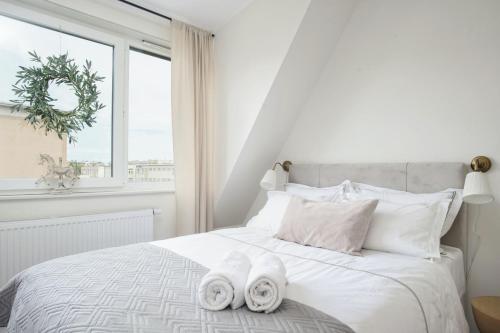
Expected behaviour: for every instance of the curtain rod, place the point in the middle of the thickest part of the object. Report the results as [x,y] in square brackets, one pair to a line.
[146,9]
[130,3]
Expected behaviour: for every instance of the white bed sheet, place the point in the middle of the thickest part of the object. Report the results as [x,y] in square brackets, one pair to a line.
[453,259]
[376,292]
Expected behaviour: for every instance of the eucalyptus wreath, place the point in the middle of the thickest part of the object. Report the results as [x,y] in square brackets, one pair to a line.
[31,90]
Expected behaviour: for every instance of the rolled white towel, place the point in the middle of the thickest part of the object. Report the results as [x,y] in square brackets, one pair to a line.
[266,284]
[225,284]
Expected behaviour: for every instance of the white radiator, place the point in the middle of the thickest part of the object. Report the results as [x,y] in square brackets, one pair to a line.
[26,243]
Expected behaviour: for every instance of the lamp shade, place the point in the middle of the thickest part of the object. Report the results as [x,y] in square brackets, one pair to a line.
[477,189]
[268,182]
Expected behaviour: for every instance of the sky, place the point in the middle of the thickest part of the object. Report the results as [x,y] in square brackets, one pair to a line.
[150,128]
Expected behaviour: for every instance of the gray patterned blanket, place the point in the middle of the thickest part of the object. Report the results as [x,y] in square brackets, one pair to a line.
[136,288]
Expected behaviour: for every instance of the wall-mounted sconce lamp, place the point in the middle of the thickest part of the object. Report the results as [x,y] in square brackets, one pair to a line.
[269,181]
[477,189]
[477,192]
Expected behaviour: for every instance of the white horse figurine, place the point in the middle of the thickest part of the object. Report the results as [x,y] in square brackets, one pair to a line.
[56,172]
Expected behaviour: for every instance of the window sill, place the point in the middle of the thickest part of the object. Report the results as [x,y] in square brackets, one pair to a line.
[83,194]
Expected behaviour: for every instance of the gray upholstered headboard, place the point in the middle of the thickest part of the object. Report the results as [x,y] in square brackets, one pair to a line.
[410,177]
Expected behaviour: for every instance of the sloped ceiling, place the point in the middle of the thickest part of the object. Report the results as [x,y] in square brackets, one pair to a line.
[249,53]
[308,54]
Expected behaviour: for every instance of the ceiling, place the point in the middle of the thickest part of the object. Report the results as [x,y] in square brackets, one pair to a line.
[206,14]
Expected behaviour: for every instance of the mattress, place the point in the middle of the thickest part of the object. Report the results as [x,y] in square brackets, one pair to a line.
[375,292]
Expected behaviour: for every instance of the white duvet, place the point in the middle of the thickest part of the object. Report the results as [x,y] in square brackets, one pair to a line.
[376,292]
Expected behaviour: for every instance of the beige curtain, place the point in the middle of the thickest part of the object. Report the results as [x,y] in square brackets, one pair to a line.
[192,114]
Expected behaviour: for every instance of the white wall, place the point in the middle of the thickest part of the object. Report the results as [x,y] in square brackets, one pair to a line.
[413,81]
[29,208]
[249,51]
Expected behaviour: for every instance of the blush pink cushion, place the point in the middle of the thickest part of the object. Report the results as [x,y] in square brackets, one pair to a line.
[339,226]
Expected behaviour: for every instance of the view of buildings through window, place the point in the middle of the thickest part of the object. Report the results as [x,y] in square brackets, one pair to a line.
[150,151]
[150,155]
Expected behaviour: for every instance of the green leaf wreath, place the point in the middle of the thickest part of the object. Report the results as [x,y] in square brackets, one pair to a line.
[31,90]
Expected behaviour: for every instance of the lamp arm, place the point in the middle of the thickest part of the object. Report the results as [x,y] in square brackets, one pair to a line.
[275,164]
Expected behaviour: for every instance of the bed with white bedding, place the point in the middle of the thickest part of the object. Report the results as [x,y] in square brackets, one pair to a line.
[151,287]
[374,292]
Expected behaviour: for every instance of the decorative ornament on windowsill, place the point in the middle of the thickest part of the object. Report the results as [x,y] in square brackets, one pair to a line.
[33,99]
[58,177]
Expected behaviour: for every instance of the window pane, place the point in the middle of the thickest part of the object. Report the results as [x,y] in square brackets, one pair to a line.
[19,140]
[150,152]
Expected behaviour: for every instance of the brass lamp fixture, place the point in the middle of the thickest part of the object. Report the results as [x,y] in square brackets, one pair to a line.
[269,181]
[480,163]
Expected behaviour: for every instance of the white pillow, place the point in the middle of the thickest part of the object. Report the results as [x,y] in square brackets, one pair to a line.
[316,193]
[453,210]
[410,228]
[270,216]
[454,195]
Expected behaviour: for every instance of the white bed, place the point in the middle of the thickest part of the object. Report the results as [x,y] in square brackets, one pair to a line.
[377,292]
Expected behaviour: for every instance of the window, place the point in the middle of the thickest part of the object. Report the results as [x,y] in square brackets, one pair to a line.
[149,118]
[91,154]
[130,145]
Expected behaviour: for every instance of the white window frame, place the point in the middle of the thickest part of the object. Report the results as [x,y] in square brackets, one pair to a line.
[121,44]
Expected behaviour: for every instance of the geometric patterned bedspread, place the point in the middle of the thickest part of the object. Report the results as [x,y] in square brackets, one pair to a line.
[135,288]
